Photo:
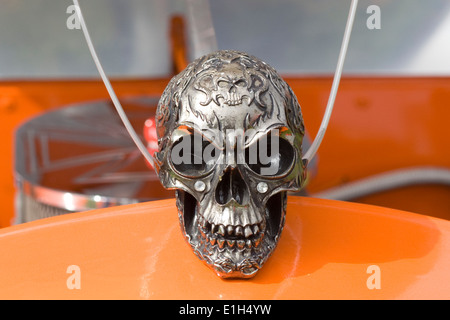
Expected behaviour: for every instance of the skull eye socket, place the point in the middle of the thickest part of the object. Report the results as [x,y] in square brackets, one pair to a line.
[223,83]
[192,156]
[270,156]
[241,83]
[206,82]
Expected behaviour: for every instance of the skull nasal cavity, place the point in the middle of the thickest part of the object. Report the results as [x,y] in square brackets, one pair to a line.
[232,186]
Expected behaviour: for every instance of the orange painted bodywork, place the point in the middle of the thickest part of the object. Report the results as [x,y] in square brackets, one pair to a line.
[378,124]
[138,252]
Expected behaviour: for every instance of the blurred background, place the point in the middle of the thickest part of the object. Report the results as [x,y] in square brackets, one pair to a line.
[65,150]
[294,36]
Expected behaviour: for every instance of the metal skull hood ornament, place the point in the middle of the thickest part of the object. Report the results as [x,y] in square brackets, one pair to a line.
[230,132]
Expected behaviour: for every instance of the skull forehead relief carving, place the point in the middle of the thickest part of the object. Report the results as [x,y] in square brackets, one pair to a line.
[230,132]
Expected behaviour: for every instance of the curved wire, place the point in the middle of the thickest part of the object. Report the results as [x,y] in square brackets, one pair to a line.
[387,181]
[110,89]
[337,77]
[319,137]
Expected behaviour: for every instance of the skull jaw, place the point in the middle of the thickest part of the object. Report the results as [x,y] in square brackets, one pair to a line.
[229,265]
[242,262]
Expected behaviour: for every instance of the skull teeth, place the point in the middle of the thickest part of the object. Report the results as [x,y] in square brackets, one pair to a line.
[239,237]
[248,231]
[238,231]
[221,243]
[221,230]
[233,99]
[257,242]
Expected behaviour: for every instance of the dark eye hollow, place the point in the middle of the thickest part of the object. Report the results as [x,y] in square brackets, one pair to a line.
[270,156]
[241,83]
[192,156]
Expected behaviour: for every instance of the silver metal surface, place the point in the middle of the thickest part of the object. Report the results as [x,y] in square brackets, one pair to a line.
[80,157]
[230,105]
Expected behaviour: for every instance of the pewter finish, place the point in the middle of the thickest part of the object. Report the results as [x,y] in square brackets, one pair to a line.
[230,211]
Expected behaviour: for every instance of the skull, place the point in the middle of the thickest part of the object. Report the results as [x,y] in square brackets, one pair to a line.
[230,132]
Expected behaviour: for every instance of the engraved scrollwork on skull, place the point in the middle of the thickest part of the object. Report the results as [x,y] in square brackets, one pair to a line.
[217,122]
[231,84]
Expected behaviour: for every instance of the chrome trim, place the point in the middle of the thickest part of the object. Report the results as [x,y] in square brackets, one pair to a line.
[80,157]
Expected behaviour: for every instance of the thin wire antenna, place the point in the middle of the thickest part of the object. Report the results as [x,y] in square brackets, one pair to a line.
[202,28]
[110,89]
[337,77]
